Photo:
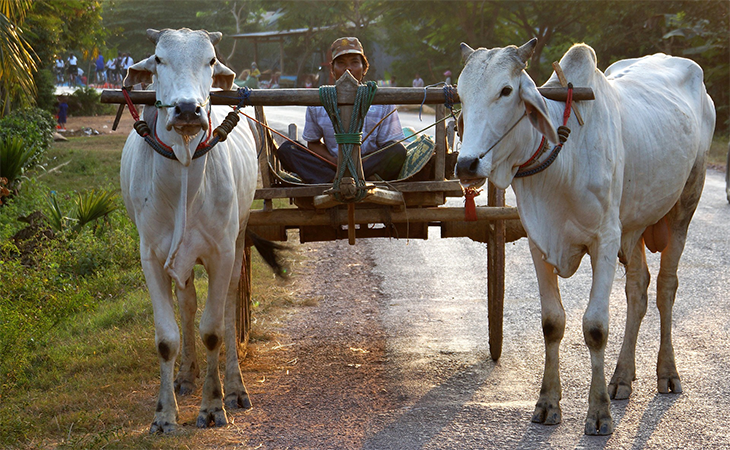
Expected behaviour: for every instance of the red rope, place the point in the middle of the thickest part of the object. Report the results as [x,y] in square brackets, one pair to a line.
[568,104]
[132,109]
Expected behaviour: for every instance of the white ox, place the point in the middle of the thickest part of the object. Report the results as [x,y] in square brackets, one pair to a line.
[638,161]
[188,212]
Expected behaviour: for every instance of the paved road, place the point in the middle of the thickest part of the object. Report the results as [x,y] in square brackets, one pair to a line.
[438,354]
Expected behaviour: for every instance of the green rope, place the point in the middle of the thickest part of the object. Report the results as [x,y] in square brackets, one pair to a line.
[348,139]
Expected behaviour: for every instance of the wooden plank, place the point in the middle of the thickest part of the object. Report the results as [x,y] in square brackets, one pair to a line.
[299,217]
[310,97]
[440,137]
[451,187]
[495,273]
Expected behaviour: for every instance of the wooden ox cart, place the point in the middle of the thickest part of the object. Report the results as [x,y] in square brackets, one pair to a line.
[404,208]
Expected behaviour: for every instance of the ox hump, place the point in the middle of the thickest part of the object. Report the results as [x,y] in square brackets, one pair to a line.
[579,65]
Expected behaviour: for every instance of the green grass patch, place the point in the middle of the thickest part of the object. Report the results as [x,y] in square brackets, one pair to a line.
[83,162]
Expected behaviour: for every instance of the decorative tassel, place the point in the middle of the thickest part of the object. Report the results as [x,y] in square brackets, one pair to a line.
[470,207]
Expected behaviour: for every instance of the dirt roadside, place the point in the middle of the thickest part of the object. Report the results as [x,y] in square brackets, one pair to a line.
[321,385]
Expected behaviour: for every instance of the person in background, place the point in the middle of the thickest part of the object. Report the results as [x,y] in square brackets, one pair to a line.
[119,68]
[62,113]
[418,81]
[255,72]
[59,65]
[100,69]
[447,74]
[249,80]
[73,69]
[318,164]
[111,71]
[392,82]
[127,62]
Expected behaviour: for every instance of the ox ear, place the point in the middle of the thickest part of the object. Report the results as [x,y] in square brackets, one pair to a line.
[466,51]
[536,108]
[140,72]
[215,37]
[223,76]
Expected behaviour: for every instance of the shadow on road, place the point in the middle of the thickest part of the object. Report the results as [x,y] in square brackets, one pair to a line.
[431,413]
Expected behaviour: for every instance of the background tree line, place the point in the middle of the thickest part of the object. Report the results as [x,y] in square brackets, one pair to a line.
[422,36]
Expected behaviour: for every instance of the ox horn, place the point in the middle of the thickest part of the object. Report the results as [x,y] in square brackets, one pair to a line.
[153,35]
[525,52]
[215,37]
[466,51]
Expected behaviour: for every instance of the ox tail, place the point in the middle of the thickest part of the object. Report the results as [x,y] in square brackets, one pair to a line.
[271,252]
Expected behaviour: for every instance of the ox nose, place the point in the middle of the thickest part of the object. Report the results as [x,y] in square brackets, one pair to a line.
[187,112]
[467,167]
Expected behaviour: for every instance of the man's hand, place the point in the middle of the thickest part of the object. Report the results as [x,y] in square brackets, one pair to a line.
[319,148]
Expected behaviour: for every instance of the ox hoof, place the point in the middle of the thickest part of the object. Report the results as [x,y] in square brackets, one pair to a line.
[619,391]
[184,387]
[215,417]
[162,427]
[665,385]
[600,427]
[236,400]
[547,413]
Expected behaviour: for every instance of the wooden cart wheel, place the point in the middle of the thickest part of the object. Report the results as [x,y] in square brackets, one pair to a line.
[495,274]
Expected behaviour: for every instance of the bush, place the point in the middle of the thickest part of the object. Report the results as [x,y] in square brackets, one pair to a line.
[46,88]
[34,126]
[86,101]
[14,158]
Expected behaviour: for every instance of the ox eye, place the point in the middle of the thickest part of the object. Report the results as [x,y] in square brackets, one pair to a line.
[506,91]
[212,62]
[157,60]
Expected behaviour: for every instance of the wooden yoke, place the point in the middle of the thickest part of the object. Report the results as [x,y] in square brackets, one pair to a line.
[346,88]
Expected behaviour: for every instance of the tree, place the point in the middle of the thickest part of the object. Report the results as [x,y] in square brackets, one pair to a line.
[18,61]
[56,27]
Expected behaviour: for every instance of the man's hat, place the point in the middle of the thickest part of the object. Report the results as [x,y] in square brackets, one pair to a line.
[344,45]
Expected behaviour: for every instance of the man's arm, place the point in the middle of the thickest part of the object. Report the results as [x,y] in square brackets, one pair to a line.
[319,148]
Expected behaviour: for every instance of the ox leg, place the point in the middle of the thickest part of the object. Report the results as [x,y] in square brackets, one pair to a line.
[637,283]
[547,409]
[211,332]
[595,333]
[679,218]
[167,341]
[236,394]
[189,370]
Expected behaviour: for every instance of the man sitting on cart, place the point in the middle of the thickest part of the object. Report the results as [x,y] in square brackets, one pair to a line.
[318,163]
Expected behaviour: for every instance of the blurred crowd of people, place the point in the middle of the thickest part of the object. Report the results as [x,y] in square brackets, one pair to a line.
[102,72]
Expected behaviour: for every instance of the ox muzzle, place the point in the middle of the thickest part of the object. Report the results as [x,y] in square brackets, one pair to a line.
[467,170]
[188,118]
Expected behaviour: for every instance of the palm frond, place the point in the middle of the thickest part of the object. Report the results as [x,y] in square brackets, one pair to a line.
[92,205]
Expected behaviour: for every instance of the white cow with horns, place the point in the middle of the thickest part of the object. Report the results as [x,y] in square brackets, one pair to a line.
[190,211]
[631,175]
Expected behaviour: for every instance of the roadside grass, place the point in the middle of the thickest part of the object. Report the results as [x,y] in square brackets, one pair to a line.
[83,163]
[92,381]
